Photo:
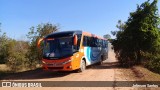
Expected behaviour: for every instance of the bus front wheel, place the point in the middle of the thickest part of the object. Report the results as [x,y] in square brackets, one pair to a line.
[82,66]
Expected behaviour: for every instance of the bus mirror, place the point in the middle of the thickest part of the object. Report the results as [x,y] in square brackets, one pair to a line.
[75,39]
[39,42]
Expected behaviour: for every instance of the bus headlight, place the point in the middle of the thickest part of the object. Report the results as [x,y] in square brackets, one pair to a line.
[43,62]
[67,62]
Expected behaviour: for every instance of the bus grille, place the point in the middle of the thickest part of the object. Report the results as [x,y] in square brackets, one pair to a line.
[55,67]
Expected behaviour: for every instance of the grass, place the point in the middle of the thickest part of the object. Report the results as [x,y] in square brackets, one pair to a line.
[3,67]
[6,71]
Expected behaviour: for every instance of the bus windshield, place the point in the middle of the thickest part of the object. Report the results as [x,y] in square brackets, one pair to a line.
[58,48]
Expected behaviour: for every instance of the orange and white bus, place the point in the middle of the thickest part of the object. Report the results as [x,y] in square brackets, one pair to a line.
[73,50]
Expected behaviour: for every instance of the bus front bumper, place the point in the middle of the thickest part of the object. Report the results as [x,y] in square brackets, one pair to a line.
[58,66]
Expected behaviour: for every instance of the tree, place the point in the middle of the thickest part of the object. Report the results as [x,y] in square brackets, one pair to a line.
[0,27]
[13,53]
[139,35]
[16,59]
[107,36]
[117,42]
[3,48]
[35,54]
[121,26]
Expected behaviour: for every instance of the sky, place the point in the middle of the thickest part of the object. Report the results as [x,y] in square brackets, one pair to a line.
[95,16]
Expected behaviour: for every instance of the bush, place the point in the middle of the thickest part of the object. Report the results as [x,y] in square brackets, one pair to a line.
[152,62]
[154,65]
[3,48]
[16,59]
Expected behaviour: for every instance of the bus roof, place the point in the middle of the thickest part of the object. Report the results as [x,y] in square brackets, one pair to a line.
[68,33]
[63,33]
[93,35]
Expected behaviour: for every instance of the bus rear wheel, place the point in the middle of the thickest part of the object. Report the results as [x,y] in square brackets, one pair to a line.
[101,61]
[83,66]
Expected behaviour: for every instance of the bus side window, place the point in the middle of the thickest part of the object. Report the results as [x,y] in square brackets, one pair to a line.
[104,43]
[96,42]
[89,41]
[100,43]
[84,41]
[79,40]
[92,42]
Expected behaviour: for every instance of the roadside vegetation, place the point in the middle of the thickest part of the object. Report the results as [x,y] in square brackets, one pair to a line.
[138,39]
[23,55]
[137,42]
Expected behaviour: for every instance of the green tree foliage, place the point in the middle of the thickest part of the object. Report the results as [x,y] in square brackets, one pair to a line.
[138,38]
[16,58]
[3,48]
[117,42]
[107,36]
[34,53]
[19,55]
[13,53]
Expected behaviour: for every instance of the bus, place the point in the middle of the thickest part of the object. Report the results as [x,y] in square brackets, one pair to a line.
[72,50]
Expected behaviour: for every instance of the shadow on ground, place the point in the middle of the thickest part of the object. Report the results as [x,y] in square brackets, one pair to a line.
[41,74]
[34,74]
[105,65]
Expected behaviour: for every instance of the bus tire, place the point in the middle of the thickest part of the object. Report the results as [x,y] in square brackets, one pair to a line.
[101,61]
[82,66]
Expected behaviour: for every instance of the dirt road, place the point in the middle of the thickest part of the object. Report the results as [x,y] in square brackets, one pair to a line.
[109,71]
[105,72]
